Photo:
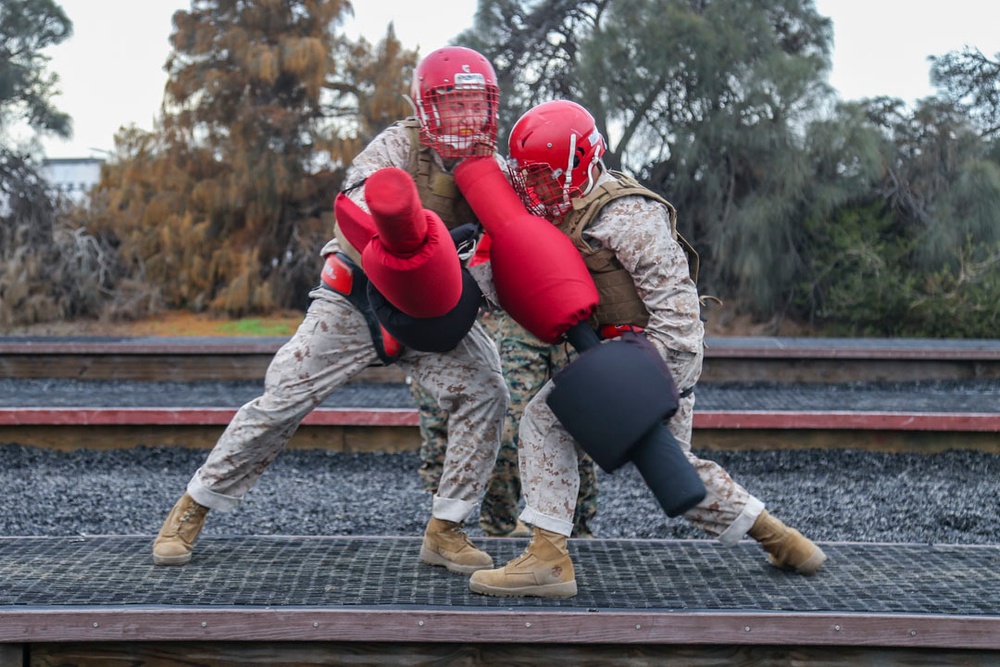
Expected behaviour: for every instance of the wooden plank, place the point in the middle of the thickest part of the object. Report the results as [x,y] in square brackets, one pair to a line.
[501,626]
[195,417]
[705,419]
[407,438]
[159,367]
[102,438]
[837,420]
[893,442]
[335,654]
[12,655]
[783,369]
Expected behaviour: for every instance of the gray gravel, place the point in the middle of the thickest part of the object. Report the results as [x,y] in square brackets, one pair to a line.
[842,495]
[959,396]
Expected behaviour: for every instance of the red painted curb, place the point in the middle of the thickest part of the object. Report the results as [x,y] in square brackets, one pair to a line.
[868,421]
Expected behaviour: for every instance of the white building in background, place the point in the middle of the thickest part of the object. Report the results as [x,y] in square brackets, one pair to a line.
[73,177]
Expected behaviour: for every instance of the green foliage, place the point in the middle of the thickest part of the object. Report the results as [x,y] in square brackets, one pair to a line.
[971,81]
[873,271]
[864,218]
[253,326]
[858,282]
[704,101]
[960,303]
[27,27]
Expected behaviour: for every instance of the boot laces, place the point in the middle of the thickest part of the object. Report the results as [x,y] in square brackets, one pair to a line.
[524,554]
[456,531]
[185,518]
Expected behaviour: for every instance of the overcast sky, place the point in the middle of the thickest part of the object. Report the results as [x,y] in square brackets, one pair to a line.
[111,69]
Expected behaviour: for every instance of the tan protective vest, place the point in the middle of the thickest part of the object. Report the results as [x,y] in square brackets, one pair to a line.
[437,189]
[619,301]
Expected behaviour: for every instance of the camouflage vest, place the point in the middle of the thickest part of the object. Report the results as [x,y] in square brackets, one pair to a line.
[619,301]
[437,189]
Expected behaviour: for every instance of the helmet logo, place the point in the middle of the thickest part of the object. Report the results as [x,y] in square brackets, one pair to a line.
[466,69]
[470,80]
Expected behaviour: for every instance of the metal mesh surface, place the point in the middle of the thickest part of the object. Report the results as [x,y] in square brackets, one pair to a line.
[385,572]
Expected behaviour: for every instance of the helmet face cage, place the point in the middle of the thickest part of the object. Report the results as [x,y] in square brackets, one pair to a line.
[553,151]
[542,189]
[457,102]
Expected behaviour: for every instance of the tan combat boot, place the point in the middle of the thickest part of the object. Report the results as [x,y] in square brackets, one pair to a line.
[787,548]
[544,570]
[520,530]
[447,545]
[180,531]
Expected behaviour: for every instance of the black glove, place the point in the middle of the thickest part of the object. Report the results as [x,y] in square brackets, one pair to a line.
[466,237]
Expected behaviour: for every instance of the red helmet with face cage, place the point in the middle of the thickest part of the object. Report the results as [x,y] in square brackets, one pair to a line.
[457,100]
[555,148]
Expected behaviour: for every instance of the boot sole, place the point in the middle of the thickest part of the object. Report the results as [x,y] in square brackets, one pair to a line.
[429,557]
[813,563]
[564,590]
[807,567]
[172,560]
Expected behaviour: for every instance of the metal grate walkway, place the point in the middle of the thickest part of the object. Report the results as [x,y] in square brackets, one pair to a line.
[941,595]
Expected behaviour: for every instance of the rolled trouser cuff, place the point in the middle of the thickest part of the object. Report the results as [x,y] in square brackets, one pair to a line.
[211,499]
[738,528]
[451,509]
[531,516]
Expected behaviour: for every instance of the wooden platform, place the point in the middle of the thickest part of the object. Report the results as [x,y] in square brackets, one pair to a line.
[300,600]
[396,429]
[246,600]
[727,359]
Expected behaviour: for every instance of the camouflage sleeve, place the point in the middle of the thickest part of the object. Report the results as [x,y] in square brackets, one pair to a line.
[637,230]
[391,148]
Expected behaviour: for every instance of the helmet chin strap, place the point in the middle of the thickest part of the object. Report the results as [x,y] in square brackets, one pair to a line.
[568,183]
[413,105]
[591,181]
[569,165]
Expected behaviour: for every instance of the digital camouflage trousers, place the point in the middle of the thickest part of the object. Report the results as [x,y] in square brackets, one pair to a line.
[527,364]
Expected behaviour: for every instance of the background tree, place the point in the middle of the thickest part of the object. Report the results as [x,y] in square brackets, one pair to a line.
[704,100]
[921,256]
[226,205]
[861,217]
[27,27]
[971,81]
[50,268]
[372,92]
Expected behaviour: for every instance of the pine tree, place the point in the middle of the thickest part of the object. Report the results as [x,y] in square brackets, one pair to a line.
[226,205]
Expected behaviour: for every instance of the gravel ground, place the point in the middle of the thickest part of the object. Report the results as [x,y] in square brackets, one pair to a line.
[843,495]
[960,396]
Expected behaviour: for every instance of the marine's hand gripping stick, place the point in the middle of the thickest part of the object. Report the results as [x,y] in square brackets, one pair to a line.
[418,289]
[614,398]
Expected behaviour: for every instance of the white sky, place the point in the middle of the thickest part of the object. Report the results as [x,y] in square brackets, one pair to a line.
[111,69]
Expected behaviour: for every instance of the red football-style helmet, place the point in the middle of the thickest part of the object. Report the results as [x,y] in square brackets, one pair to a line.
[555,150]
[457,100]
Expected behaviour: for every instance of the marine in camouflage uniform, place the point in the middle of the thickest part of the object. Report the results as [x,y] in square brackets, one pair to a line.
[334,343]
[527,364]
[628,240]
